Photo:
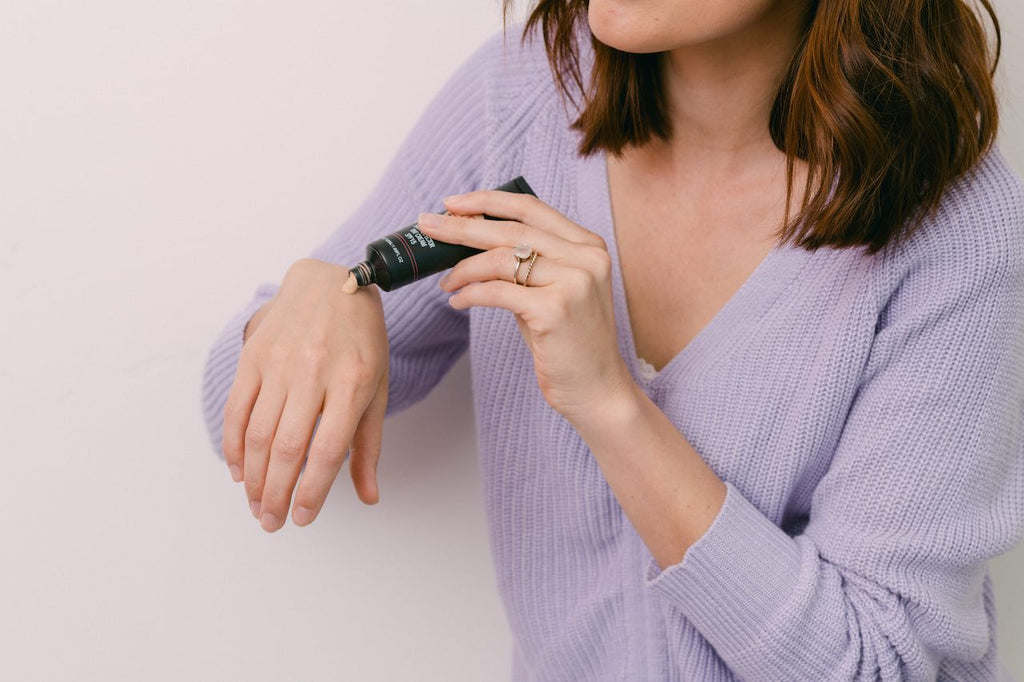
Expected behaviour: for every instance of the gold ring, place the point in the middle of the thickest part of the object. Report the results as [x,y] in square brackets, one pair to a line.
[529,268]
[522,252]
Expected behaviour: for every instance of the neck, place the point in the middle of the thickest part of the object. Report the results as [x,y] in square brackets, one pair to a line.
[720,94]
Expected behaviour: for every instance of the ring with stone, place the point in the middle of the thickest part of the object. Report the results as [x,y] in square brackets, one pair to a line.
[522,253]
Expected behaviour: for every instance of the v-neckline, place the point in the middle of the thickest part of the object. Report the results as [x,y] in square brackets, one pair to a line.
[753,298]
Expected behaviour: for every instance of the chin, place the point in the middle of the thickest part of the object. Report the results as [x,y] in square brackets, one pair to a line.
[631,30]
[642,26]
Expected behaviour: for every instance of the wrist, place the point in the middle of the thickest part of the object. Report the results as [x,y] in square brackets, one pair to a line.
[615,411]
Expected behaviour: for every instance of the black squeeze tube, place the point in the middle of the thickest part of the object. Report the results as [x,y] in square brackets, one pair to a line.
[405,256]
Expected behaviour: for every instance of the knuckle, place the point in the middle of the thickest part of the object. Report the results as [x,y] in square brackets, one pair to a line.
[360,374]
[277,355]
[233,412]
[602,262]
[601,255]
[315,354]
[288,446]
[533,206]
[258,434]
[530,200]
[331,454]
[310,364]
[580,279]
[351,377]
[461,269]
[256,355]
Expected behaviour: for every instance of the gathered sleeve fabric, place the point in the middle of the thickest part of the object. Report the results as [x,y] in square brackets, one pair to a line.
[888,579]
[443,154]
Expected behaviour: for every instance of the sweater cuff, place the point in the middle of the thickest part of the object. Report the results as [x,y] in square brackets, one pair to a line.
[735,580]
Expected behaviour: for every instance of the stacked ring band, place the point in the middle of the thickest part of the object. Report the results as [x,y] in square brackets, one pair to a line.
[529,267]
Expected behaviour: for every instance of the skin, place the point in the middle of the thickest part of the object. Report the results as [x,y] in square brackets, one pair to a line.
[687,27]
[308,350]
[725,60]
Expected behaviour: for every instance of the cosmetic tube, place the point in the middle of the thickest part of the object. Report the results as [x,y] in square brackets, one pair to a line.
[407,255]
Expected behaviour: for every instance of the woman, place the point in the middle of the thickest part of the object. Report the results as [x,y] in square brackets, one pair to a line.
[755,410]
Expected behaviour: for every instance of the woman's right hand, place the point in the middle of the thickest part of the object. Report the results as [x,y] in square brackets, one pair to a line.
[310,349]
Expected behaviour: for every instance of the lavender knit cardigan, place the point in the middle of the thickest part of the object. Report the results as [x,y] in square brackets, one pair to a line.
[866,413]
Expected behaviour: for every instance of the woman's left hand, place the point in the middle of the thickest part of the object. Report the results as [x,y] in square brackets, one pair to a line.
[565,314]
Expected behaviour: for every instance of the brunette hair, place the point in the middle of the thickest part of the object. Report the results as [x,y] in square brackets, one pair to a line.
[887,101]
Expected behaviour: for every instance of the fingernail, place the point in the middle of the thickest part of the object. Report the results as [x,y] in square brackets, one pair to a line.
[254,506]
[270,522]
[302,516]
[441,282]
[236,473]
[455,198]
[429,220]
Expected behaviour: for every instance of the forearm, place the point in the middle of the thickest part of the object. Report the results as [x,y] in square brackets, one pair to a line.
[663,485]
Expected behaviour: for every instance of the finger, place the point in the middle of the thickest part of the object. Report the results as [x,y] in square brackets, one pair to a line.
[489,234]
[525,301]
[342,409]
[259,436]
[523,208]
[241,399]
[500,264]
[366,445]
[291,440]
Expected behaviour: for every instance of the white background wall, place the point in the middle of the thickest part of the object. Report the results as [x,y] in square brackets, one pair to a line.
[157,162]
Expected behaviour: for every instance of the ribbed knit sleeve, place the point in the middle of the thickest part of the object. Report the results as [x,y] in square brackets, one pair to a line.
[888,578]
[443,154]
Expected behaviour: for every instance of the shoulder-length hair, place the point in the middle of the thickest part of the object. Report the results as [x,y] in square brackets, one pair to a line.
[886,101]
